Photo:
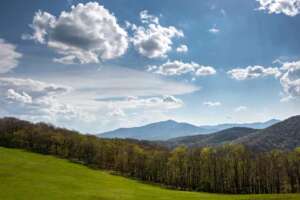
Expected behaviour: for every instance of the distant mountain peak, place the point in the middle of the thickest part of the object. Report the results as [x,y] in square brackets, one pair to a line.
[168,129]
[169,121]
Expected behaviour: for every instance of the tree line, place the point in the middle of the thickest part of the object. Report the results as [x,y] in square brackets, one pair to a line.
[226,169]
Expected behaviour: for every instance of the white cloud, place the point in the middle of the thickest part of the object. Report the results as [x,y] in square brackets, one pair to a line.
[19,97]
[171,102]
[288,75]
[290,80]
[66,60]
[41,24]
[9,57]
[214,30]
[29,87]
[182,49]
[176,67]
[164,102]
[290,65]
[171,68]
[147,18]
[116,112]
[205,71]
[252,72]
[131,111]
[240,109]
[32,87]
[126,110]
[35,100]
[287,7]
[88,33]
[212,103]
[153,40]
[93,101]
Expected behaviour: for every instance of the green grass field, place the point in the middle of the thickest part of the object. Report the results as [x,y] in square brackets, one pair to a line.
[31,176]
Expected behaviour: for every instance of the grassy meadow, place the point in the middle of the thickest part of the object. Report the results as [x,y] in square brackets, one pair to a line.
[25,175]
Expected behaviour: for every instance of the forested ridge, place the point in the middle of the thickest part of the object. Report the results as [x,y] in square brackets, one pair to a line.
[213,139]
[284,135]
[225,169]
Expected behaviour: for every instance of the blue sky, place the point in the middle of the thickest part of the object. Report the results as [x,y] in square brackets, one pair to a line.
[99,65]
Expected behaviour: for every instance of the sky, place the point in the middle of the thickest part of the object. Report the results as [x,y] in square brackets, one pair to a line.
[95,66]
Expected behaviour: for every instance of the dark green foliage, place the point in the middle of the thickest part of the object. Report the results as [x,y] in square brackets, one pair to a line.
[283,135]
[224,169]
[213,139]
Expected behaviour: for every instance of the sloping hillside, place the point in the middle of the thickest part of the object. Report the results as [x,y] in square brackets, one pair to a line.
[25,175]
[214,139]
[254,125]
[156,131]
[284,135]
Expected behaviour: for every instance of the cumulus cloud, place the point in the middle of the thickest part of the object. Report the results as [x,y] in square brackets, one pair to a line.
[148,18]
[34,99]
[171,102]
[153,40]
[240,109]
[288,75]
[212,103]
[288,7]
[171,68]
[88,33]
[290,80]
[182,49]
[252,72]
[9,57]
[28,90]
[176,67]
[32,87]
[205,71]
[18,97]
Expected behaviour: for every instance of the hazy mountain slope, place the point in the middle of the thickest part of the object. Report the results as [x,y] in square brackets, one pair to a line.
[284,135]
[214,139]
[171,129]
[254,125]
[156,131]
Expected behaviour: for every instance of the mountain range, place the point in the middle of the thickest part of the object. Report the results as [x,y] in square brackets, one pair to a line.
[283,135]
[213,139]
[166,130]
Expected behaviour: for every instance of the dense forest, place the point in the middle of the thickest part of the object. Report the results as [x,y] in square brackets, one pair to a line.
[226,169]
